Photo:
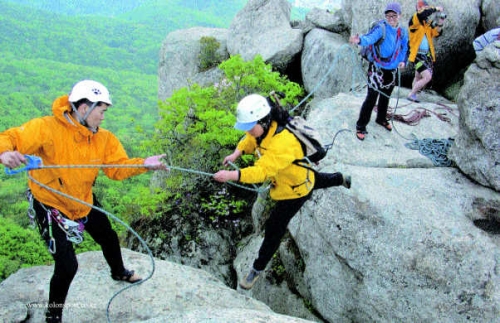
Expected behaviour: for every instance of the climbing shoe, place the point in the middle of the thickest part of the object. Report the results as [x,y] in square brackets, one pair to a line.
[347,181]
[360,134]
[385,124]
[250,279]
[128,276]
[413,98]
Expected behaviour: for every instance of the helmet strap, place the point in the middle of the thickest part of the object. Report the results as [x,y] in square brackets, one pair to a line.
[78,116]
[265,123]
[91,108]
[83,120]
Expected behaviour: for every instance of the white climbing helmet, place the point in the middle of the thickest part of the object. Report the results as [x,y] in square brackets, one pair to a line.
[251,109]
[90,90]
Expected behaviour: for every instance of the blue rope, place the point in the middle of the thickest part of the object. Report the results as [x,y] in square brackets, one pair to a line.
[435,149]
[330,69]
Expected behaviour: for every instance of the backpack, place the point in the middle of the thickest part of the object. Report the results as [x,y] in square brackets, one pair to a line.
[371,51]
[308,137]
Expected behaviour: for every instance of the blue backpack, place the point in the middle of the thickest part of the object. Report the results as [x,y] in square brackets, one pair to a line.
[372,52]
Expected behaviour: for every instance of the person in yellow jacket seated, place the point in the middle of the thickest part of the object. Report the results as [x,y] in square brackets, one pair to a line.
[71,136]
[292,184]
[422,52]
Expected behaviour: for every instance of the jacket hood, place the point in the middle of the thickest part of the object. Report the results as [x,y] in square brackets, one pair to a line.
[61,109]
[60,106]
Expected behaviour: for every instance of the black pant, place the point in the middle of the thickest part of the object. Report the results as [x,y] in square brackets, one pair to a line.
[99,228]
[281,215]
[379,80]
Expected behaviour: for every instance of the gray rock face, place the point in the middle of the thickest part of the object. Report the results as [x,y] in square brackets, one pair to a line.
[491,11]
[175,293]
[179,59]
[263,27]
[328,20]
[477,147]
[329,66]
[406,243]
[402,245]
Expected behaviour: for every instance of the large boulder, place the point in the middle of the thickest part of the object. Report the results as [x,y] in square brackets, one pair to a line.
[407,243]
[329,65]
[173,293]
[491,14]
[263,28]
[477,146]
[179,64]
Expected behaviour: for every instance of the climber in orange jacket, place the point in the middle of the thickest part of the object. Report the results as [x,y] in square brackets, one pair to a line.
[72,136]
[422,51]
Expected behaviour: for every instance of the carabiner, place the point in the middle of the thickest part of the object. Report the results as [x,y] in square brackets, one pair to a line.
[52,246]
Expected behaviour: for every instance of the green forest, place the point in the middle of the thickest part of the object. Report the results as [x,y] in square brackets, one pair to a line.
[47,46]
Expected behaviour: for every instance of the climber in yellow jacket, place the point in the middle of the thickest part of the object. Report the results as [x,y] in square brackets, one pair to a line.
[71,136]
[291,184]
[422,52]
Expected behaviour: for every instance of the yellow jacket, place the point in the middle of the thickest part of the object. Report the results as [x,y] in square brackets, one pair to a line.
[276,154]
[61,140]
[417,32]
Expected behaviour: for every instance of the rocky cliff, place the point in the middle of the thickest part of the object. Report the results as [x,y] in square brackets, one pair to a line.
[412,241]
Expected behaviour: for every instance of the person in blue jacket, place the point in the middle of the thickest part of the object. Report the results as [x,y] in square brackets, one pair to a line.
[382,70]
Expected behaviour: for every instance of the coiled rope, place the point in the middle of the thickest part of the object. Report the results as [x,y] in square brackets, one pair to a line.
[435,149]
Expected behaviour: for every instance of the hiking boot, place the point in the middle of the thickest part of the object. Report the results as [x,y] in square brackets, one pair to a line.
[250,279]
[413,98]
[347,181]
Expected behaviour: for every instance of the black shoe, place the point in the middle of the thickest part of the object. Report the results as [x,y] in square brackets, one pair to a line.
[360,134]
[52,318]
[128,276]
[347,181]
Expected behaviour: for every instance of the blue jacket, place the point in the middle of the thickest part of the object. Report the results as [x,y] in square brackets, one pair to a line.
[389,48]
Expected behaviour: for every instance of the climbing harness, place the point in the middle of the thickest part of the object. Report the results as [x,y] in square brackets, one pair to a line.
[434,149]
[74,230]
[376,79]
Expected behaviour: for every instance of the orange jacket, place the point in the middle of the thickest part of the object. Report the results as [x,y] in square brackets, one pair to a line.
[418,30]
[276,154]
[61,140]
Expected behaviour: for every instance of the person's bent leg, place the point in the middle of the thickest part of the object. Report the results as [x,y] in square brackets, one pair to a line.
[99,228]
[325,180]
[275,229]
[424,80]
